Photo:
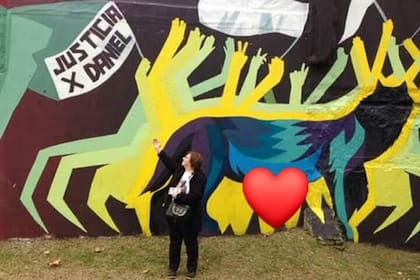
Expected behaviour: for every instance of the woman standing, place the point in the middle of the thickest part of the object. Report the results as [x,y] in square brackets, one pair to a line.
[186,187]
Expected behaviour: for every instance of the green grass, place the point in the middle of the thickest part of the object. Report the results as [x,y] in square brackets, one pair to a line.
[289,254]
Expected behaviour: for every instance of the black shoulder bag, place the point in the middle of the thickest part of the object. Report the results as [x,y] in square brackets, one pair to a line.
[178,210]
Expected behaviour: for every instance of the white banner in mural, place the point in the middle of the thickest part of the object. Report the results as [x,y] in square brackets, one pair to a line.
[252,17]
[97,53]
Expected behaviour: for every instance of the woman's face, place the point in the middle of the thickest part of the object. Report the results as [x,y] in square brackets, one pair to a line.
[186,160]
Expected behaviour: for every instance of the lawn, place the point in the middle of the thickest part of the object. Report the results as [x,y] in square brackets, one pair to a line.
[292,254]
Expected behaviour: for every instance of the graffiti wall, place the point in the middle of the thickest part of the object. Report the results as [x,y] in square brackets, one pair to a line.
[330,87]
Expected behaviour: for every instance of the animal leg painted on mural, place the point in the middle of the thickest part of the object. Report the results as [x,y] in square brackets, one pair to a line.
[83,153]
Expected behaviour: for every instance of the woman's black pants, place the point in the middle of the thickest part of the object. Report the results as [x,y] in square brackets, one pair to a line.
[177,233]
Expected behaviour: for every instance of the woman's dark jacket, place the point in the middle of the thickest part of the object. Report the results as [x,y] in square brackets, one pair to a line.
[193,198]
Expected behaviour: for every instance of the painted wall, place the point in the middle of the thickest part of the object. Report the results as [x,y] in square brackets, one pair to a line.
[330,87]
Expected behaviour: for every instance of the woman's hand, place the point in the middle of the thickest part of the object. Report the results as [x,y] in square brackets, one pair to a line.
[157,145]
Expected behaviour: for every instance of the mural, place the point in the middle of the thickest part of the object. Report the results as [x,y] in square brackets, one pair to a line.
[329,87]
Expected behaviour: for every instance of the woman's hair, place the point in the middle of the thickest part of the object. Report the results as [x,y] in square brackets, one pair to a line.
[196,160]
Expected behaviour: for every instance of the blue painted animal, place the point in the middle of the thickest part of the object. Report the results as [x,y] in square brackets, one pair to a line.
[335,149]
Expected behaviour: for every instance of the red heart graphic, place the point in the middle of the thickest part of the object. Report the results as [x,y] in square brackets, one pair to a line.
[275,198]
